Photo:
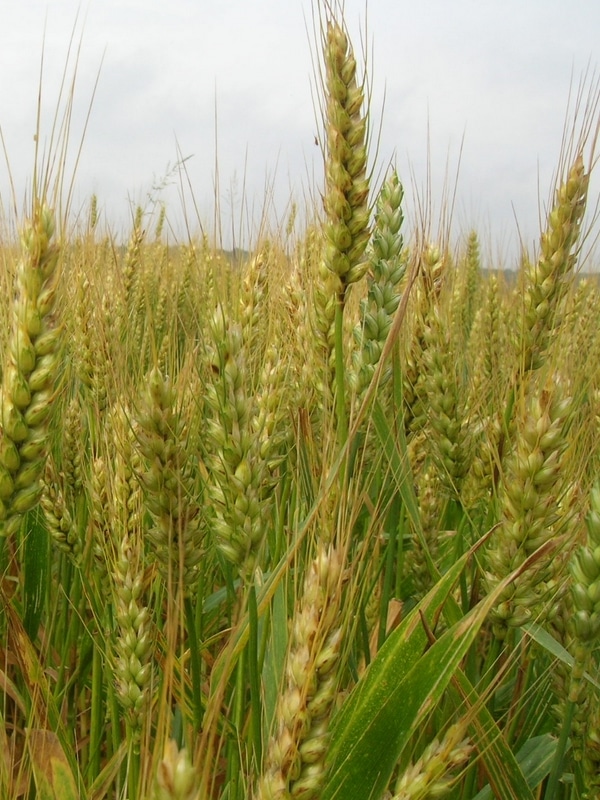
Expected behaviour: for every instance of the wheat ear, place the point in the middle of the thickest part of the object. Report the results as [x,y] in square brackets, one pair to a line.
[28,388]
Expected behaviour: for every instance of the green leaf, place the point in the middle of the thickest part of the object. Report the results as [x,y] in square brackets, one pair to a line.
[399,690]
[405,647]
[372,726]
[275,656]
[36,568]
[104,783]
[535,760]
[397,456]
[499,761]
[549,643]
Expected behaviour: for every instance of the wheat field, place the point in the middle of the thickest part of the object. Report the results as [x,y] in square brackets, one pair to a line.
[318,521]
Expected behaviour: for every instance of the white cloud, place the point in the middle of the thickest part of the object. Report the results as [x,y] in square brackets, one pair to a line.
[496,72]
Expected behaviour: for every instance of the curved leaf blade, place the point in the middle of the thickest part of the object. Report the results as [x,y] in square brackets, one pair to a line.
[397,692]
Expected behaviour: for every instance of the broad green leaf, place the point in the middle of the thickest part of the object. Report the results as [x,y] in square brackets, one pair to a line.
[403,648]
[370,744]
[396,694]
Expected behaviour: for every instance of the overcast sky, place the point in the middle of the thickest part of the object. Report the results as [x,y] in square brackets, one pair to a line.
[491,76]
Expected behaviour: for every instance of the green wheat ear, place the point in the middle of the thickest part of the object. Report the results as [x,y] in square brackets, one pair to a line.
[547,281]
[178,526]
[28,387]
[296,752]
[387,267]
[347,185]
[531,494]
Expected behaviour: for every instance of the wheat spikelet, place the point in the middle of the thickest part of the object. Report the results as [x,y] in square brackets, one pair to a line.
[533,488]
[28,386]
[465,299]
[131,266]
[160,223]
[58,516]
[239,473]
[413,371]
[431,506]
[446,407]
[347,186]
[387,267]
[585,592]
[169,482]
[133,644]
[546,282]
[175,778]
[93,217]
[576,624]
[301,341]
[272,413]
[428,777]
[294,766]
[254,310]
